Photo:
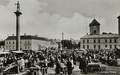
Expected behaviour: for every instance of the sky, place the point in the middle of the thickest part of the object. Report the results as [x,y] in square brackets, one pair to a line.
[51,18]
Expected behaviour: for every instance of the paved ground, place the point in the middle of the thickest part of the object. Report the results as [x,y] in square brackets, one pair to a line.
[110,70]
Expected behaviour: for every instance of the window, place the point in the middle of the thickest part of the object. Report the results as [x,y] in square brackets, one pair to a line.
[28,42]
[9,47]
[13,47]
[98,46]
[25,47]
[20,42]
[98,40]
[25,42]
[13,42]
[105,40]
[83,46]
[6,47]
[87,41]
[110,41]
[20,47]
[87,46]
[83,41]
[9,42]
[115,46]
[115,40]
[105,45]
[94,46]
[28,47]
[110,46]
[6,42]
[95,31]
[94,41]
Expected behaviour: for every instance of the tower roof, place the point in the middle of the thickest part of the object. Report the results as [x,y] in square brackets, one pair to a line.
[94,23]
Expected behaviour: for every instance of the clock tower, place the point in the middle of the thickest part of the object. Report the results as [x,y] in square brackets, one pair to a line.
[94,27]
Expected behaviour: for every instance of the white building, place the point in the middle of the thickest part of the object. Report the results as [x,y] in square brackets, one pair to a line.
[97,41]
[29,42]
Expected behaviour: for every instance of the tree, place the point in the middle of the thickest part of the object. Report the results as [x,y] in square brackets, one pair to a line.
[67,43]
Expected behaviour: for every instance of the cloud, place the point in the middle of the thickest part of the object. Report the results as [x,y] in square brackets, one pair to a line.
[107,10]
[36,20]
[85,7]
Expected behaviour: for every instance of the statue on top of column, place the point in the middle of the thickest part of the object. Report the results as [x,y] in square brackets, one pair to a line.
[18,6]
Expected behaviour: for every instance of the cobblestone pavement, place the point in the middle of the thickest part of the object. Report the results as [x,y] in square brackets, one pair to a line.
[110,70]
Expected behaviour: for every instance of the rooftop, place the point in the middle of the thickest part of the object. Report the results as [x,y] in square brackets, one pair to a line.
[28,37]
[100,36]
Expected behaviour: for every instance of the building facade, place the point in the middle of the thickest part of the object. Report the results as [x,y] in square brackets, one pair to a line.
[97,41]
[29,42]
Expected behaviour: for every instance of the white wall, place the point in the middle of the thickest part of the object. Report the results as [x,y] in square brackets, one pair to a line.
[102,43]
[38,44]
[24,44]
[29,44]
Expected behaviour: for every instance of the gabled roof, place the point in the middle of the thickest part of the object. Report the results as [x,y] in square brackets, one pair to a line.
[27,37]
[94,23]
[100,36]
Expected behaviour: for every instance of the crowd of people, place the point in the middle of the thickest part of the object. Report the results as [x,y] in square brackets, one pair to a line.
[62,61]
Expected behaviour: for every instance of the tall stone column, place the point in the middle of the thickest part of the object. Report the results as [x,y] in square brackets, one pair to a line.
[62,41]
[17,13]
[118,32]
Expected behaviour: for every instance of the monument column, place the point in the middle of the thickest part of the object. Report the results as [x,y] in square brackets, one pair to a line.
[17,13]
[62,41]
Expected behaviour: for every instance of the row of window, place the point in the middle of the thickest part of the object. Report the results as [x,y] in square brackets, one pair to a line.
[10,47]
[13,47]
[99,46]
[98,41]
[13,42]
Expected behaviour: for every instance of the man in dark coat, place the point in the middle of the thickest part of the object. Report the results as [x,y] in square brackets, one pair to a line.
[69,67]
[58,66]
[80,63]
[84,65]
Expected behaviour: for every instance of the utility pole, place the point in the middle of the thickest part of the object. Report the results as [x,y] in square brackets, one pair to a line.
[17,13]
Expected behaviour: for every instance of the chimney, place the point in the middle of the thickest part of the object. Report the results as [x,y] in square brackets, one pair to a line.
[25,34]
[118,32]
[12,34]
